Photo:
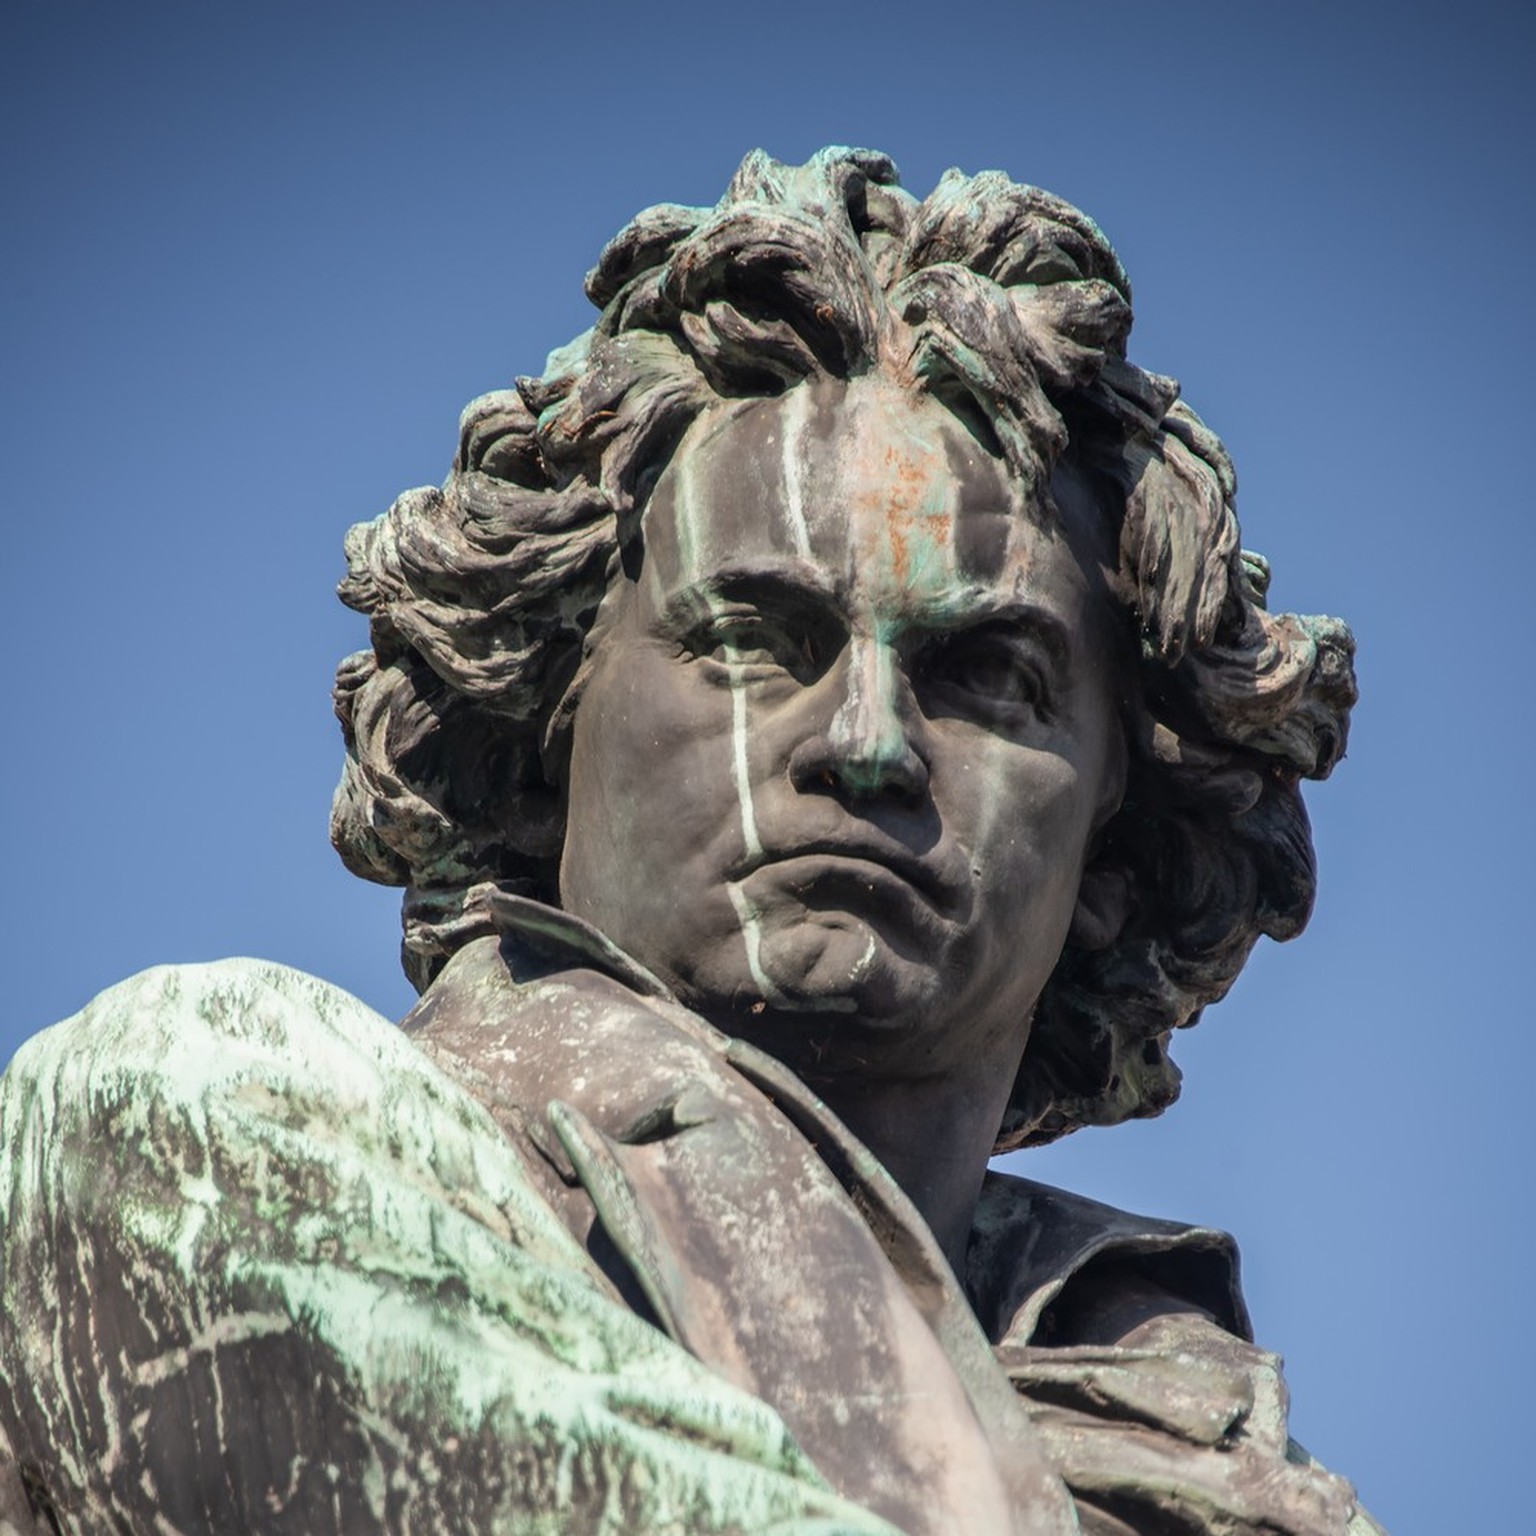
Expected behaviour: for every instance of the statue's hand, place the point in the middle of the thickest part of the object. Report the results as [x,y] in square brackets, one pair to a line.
[1178,1423]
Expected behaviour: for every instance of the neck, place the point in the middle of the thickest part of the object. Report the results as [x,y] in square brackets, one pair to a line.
[933,1136]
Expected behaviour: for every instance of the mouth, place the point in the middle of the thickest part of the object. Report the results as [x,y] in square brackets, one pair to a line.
[861,868]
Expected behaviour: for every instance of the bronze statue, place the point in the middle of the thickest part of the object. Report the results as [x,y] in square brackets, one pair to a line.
[827,732]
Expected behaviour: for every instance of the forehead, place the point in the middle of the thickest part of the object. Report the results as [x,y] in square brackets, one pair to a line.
[876,491]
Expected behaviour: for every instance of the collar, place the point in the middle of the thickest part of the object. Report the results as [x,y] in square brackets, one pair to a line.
[1029,1241]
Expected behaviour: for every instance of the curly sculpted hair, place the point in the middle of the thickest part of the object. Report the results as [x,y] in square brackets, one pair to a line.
[1007,305]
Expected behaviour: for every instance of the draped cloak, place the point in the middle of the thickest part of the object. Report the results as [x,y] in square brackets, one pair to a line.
[561,1257]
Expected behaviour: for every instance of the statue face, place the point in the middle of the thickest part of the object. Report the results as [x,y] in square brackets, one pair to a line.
[847,738]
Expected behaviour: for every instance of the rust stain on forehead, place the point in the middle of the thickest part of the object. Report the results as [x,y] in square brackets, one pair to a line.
[899,490]
[906,484]
[875,481]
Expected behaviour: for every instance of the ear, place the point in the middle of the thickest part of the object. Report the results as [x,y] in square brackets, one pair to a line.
[1103,906]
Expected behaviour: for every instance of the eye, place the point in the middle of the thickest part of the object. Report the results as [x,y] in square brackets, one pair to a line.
[756,644]
[988,672]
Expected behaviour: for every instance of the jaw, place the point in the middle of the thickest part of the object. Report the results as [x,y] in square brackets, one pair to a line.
[847,1000]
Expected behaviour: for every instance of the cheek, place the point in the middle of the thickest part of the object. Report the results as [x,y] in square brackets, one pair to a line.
[651,791]
[1024,818]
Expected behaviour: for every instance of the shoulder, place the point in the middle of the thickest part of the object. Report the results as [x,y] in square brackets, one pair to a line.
[241,1212]
[152,1016]
[188,1034]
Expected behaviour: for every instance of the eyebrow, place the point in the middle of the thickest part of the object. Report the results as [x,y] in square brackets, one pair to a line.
[794,583]
[1021,614]
[790,583]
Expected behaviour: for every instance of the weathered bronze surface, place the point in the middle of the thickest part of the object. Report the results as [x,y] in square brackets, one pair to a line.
[827,731]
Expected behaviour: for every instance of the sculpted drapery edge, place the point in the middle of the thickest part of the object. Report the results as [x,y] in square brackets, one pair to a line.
[284,1189]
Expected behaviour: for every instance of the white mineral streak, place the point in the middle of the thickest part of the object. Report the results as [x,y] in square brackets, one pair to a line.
[793,460]
[235,1328]
[866,726]
[689,535]
[741,768]
[741,774]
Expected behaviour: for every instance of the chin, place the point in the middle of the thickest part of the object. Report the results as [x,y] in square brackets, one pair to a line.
[835,962]
[841,996]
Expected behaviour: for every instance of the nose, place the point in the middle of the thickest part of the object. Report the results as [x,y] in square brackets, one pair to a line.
[866,747]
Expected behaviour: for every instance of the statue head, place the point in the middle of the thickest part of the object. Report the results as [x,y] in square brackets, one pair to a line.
[848,629]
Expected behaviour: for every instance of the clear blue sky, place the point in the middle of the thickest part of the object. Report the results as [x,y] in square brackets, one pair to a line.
[256,257]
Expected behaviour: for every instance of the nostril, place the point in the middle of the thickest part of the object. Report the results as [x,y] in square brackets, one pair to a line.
[899,775]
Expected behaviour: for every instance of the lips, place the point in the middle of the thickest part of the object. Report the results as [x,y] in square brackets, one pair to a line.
[878,860]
